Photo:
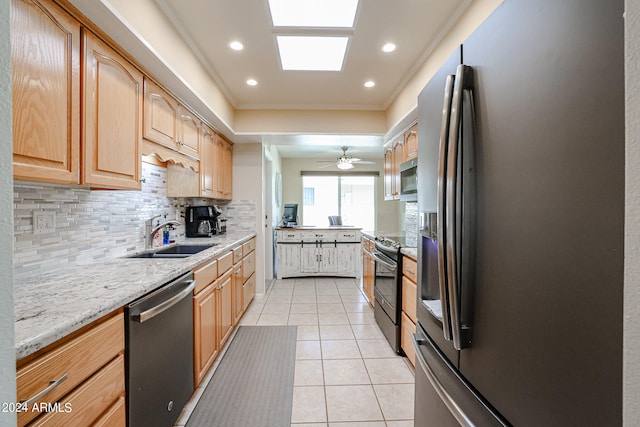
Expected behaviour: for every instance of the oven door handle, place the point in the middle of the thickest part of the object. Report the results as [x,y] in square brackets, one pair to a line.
[376,256]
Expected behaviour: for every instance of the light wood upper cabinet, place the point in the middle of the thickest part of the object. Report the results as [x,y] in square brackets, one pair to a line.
[207,162]
[160,112]
[223,158]
[388,174]
[411,143]
[169,123]
[188,132]
[45,71]
[113,94]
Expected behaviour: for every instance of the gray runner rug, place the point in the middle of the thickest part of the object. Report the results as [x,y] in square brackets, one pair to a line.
[253,384]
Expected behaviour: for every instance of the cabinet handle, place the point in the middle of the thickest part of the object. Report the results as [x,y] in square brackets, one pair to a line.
[143,179]
[52,384]
[410,271]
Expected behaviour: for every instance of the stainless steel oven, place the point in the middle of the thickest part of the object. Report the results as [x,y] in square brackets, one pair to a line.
[388,291]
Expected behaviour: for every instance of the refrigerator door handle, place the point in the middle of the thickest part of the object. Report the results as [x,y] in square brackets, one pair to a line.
[455,222]
[446,398]
[441,206]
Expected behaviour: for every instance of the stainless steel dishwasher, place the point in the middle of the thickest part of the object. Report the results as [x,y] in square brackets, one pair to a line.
[159,354]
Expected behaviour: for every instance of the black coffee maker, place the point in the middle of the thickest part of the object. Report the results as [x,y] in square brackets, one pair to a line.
[201,220]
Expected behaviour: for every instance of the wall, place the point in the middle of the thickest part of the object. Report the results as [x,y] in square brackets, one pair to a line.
[248,185]
[407,99]
[389,214]
[631,355]
[7,341]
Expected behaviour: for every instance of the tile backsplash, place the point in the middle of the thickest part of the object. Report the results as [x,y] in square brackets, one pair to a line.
[411,223]
[91,225]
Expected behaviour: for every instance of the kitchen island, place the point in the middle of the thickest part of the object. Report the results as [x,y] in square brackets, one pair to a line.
[318,251]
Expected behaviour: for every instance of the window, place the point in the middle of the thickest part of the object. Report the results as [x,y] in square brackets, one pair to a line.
[350,196]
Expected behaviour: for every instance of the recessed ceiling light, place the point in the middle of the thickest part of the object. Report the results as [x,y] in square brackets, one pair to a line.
[389,47]
[252,82]
[313,13]
[309,53]
[369,83]
[236,45]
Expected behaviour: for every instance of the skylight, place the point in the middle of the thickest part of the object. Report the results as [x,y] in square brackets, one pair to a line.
[309,53]
[313,13]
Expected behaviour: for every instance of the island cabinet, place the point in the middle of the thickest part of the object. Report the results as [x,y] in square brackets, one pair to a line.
[79,380]
[112,118]
[45,92]
[318,252]
[409,302]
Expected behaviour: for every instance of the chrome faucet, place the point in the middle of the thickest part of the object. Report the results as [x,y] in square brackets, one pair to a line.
[150,230]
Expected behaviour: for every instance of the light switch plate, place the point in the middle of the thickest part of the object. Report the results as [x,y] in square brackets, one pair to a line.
[44,222]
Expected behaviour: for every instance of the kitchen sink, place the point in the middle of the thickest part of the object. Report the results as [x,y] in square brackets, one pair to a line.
[177,251]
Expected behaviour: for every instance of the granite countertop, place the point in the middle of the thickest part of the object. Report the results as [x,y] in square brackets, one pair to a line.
[410,252]
[50,306]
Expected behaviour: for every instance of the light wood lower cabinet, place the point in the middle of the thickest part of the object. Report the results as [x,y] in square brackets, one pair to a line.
[205,329]
[407,327]
[409,303]
[45,74]
[368,270]
[89,371]
[224,290]
[238,293]
[112,118]
[221,297]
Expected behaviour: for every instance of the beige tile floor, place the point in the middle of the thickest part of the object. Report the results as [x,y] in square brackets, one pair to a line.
[346,373]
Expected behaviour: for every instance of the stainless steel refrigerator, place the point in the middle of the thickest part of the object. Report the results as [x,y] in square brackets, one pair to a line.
[521,195]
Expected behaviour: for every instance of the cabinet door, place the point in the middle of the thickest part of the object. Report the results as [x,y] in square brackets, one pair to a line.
[188,132]
[288,258]
[227,167]
[388,174]
[45,73]
[347,259]
[328,258]
[225,306]
[207,159]
[160,112]
[218,161]
[249,290]
[238,293]
[112,141]
[309,259]
[398,150]
[411,143]
[205,331]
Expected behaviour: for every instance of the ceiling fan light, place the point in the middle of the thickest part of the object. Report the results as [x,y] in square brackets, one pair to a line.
[344,165]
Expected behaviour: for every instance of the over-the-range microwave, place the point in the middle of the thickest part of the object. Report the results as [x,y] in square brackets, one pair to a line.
[409,181]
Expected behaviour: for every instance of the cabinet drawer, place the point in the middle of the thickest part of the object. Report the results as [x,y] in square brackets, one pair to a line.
[225,262]
[78,359]
[407,327]
[237,255]
[410,269]
[249,246]
[409,295]
[346,236]
[87,403]
[205,274]
[248,265]
[289,236]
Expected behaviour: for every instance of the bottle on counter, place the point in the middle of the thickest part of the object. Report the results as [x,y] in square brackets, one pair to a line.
[165,235]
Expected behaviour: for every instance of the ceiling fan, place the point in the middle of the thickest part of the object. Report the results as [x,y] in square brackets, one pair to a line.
[345,162]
